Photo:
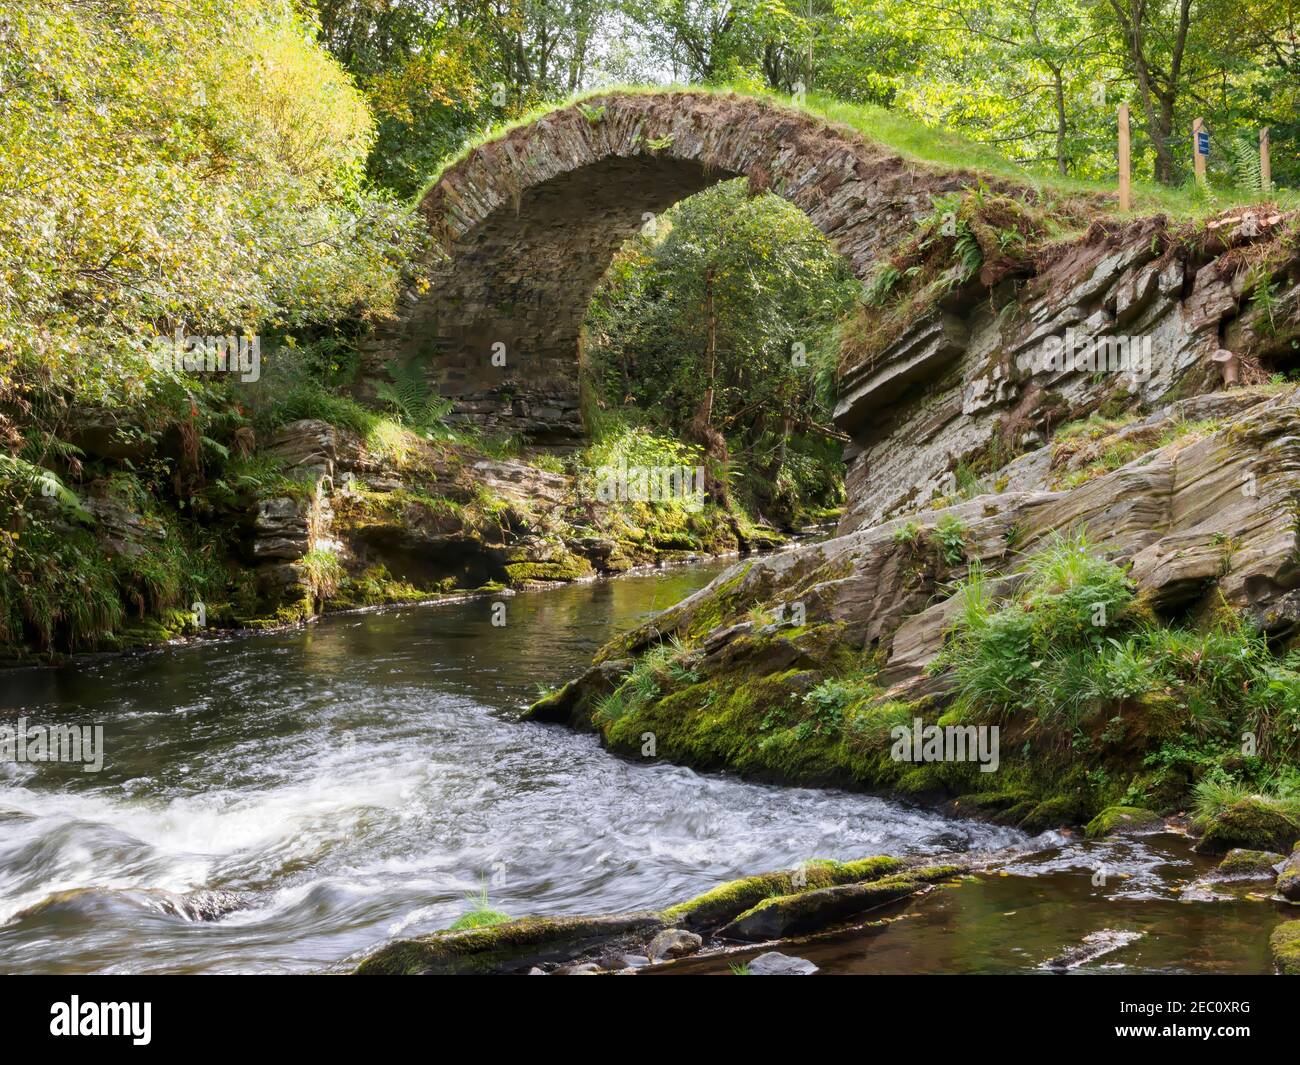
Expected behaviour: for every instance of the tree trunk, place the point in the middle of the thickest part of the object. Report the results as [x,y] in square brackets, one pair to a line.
[701,430]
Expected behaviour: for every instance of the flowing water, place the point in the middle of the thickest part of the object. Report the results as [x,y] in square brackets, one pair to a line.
[287,802]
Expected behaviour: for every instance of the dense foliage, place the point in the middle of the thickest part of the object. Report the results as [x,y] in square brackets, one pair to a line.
[726,307]
[1039,79]
[166,165]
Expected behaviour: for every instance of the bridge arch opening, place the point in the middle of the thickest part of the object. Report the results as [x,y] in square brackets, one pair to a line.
[527,224]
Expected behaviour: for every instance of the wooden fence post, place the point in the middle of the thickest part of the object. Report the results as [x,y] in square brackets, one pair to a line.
[1125,161]
[1198,157]
[1265,165]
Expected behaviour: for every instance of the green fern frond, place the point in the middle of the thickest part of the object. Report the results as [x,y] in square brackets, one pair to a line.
[37,479]
[1245,162]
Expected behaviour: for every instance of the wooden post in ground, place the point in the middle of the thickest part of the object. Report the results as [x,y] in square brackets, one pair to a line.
[1125,161]
[1198,157]
[1265,165]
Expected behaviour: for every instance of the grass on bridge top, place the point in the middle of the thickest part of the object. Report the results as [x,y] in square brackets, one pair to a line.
[913,139]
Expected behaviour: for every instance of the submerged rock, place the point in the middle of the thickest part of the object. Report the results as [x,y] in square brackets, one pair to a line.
[1093,946]
[625,961]
[585,969]
[774,963]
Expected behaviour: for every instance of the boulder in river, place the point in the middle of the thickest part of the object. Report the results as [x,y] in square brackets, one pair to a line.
[508,947]
[673,943]
[1251,823]
[810,911]
[1123,821]
[774,963]
[518,946]
[1285,944]
[728,901]
[1288,881]
[1250,865]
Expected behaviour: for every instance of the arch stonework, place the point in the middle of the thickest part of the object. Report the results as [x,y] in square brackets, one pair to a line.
[526,225]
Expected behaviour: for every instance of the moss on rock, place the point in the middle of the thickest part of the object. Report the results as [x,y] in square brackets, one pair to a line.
[1054,813]
[1121,820]
[1285,945]
[559,565]
[505,947]
[1253,824]
[291,612]
[727,901]
[812,910]
[375,586]
[1247,863]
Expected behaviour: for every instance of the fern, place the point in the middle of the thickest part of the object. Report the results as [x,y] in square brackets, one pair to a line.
[970,256]
[411,398]
[1245,163]
[876,289]
[37,479]
[1263,295]
[43,444]
[216,446]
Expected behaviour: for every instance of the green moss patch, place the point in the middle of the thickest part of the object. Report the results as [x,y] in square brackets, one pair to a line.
[1240,862]
[506,947]
[813,910]
[1252,824]
[1285,945]
[1117,820]
[728,901]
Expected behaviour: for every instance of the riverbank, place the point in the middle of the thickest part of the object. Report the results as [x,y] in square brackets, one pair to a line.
[323,518]
[1134,903]
[1126,667]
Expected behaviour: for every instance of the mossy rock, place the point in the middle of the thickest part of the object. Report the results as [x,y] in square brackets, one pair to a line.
[1122,820]
[1252,824]
[934,873]
[479,919]
[507,947]
[728,901]
[289,613]
[987,803]
[561,566]
[1285,945]
[573,703]
[1288,881]
[1054,813]
[377,587]
[1261,865]
[811,911]
[1015,813]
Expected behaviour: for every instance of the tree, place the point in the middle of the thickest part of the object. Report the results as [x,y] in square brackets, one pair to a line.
[721,322]
[1155,37]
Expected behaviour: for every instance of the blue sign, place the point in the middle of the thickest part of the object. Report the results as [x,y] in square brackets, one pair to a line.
[1202,143]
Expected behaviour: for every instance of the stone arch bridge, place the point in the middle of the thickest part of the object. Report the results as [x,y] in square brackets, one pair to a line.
[526,225]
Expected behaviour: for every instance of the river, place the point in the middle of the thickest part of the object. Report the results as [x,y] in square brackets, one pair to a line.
[284,803]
